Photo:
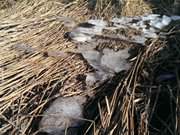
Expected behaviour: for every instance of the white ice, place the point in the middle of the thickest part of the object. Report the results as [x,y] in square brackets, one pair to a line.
[166,20]
[80,37]
[100,23]
[139,39]
[115,61]
[93,58]
[97,77]
[150,17]
[175,17]
[106,63]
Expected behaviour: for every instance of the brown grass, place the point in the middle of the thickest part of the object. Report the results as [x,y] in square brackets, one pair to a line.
[30,78]
[135,8]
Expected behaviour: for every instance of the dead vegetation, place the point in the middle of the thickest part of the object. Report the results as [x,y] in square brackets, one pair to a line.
[144,100]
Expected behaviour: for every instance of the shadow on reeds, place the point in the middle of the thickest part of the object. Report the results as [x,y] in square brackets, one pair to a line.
[164,73]
[164,67]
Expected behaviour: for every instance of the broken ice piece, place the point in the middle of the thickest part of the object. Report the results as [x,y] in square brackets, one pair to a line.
[84,33]
[115,61]
[100,23]
[93,58]
[79,36]
[63,113]
[150,17]
[150,33]
[97,77]
[175,17]
[139,39]
[166,20]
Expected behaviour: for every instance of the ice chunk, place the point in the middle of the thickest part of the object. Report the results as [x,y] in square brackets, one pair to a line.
[122,20]
[93,58]
[97,77]
[92,78]
[84,30]
[100,23]
[83,34]
[175,17]
[64,112]
[166,20]
[142,22]
[106,64]
[139,39]
[150,33]
[153,22]
[79,36]
[91,55]
[93,30]
[159,25]
[160,22]
[120,25]
[115,61]
[150,17]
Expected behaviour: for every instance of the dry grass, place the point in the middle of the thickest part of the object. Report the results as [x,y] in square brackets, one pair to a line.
[30,78]
[135,8]
[6,3]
